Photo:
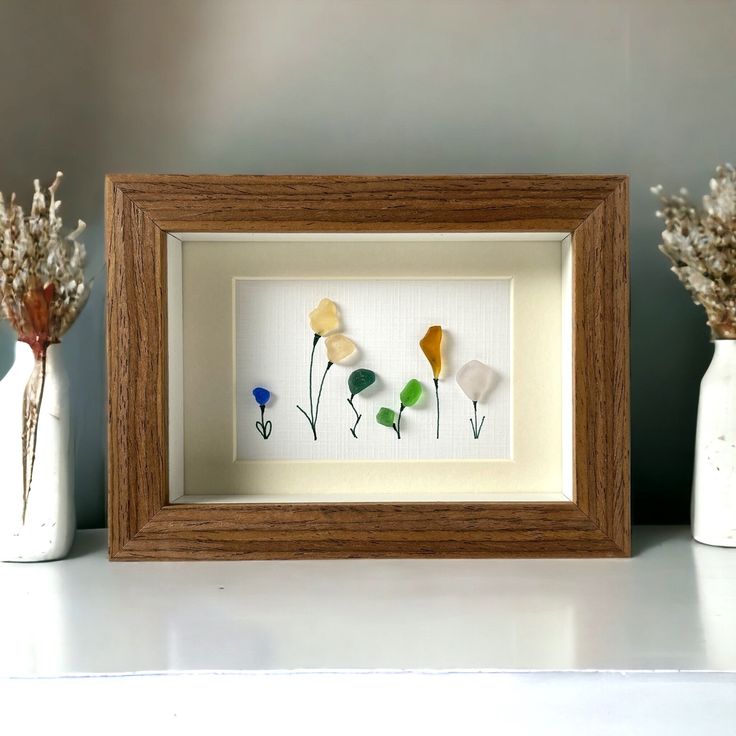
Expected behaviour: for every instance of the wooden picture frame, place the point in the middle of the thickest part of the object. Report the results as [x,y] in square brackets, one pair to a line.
[142,210]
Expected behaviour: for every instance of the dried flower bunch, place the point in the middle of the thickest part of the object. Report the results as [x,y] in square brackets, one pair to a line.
[42,292]
[701,243]
[42,283]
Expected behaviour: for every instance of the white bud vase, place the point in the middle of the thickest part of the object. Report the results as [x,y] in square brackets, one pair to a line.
[47,531]
[714,480]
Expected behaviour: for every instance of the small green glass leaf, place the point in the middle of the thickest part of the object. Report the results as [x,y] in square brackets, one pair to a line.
[360,380]
[411,393]
[386,417]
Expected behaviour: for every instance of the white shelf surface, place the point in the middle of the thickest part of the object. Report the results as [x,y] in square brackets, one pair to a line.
[671,607]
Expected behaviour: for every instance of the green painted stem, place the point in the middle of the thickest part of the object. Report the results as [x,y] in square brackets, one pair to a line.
[311,368]
[437,399]
[358,416]
[398,421]
[319,397]
[311,418]
[474,424]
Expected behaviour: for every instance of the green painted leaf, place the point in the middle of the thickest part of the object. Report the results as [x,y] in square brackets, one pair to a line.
[360,380]
[386,417]
[411,393]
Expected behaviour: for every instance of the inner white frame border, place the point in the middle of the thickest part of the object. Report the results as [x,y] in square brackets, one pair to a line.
[174,278]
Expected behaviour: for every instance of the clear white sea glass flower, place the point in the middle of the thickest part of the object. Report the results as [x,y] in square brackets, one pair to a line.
[475,379]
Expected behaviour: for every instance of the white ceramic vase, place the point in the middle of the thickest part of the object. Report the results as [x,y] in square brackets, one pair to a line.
[714,480]
[47,531]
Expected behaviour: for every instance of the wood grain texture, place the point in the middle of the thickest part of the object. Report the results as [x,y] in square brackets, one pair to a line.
[137,367]
[368,530]
[365,203]
[142,209]
[601,367]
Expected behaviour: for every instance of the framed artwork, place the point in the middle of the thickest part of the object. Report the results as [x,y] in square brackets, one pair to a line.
[353,366]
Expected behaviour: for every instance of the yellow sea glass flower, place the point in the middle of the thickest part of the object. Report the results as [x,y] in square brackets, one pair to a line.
[324,317]
[339,348]
[431,345]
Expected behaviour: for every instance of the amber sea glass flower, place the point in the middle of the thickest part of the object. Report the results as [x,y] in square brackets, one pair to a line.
[431,345]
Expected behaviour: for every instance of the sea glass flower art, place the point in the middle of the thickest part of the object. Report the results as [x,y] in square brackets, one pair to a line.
[431,345]
[358,381]
[262,397]
[339,348]
[324,318]
[386,417]
[476,380]
[410,395]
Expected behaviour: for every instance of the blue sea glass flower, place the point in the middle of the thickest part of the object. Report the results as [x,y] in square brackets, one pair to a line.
[261,395]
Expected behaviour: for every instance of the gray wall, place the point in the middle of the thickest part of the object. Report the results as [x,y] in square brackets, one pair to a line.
[411,86]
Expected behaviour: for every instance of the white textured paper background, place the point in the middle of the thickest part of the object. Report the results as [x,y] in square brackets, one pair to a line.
[386,319]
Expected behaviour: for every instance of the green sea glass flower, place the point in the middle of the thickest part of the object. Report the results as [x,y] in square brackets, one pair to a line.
[359,380]
[411,393]
[386,417]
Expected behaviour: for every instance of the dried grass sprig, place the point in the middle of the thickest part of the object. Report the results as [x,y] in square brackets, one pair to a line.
[42,291]
[701,243]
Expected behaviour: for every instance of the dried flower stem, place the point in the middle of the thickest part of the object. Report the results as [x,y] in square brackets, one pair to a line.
[32,399]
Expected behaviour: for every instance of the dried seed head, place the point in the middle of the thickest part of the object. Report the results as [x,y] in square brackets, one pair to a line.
[701,244]
[40,266]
